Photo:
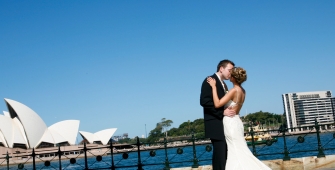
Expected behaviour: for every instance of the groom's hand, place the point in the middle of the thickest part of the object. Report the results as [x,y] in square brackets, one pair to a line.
[229,112]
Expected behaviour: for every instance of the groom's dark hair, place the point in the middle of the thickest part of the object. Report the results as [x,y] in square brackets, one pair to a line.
[223,63]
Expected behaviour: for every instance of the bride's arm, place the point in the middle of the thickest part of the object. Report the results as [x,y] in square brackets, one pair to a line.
[225,99]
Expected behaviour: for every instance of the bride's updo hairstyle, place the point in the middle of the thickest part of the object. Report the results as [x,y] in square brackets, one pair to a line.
[239,74]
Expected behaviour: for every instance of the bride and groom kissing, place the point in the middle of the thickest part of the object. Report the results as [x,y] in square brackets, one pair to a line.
[222,122]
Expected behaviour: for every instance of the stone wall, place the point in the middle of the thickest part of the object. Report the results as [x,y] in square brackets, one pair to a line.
[304,163]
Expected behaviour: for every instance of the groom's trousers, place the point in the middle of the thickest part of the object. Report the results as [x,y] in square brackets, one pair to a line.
[219,154]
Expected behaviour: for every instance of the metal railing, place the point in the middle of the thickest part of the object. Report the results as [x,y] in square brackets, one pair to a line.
[297,143]
[168,154]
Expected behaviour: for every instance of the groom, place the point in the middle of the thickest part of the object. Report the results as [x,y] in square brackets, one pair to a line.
[213,117]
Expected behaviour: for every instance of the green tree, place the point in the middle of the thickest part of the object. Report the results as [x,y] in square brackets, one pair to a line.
[264,118]
[198,127]
[156,133]
[165,125]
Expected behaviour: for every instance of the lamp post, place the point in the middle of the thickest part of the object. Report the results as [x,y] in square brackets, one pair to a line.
[145,126]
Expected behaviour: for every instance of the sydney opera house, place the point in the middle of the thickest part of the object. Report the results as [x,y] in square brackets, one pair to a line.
[21,127]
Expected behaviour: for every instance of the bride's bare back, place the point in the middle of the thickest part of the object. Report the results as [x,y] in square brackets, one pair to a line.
[238,98]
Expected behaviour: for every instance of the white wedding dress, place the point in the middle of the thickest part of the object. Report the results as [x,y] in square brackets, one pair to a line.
[239,155]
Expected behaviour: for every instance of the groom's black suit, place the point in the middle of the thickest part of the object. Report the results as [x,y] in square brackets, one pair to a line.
[213,123]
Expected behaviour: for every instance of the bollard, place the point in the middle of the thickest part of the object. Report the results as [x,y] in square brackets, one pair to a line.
[253,142]
[112,157]
[7,158]
[85,154]
[59,158]
[195,160]
[33,155]
[286,156]
[317,127]
[139,162]
[167,166]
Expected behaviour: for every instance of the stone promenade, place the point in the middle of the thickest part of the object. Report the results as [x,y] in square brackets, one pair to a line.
[304,163]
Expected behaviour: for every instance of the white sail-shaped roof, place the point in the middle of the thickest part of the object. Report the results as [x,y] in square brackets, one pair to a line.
[6,113]
[34,126]
[47,137]
[88,136]
[2,139]
[58,138]
[18,132]
[71,128]
[103,136]
[22,126]
[64,131]
[6,127]
[12,131]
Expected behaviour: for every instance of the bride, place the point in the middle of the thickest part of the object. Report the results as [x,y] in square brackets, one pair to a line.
[239,155]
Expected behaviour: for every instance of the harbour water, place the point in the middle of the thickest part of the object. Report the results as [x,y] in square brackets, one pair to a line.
[276,151]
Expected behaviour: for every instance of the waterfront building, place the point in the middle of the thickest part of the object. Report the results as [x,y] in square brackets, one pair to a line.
[302,108]
[102,137]
[21,127]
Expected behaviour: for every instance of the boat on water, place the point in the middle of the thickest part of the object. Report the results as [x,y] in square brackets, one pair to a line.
[260,136]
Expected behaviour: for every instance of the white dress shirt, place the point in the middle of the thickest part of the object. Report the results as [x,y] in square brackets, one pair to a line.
[224,88]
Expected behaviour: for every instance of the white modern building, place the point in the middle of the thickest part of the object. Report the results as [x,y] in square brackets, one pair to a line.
[303,108]
[101,137]
[21,127]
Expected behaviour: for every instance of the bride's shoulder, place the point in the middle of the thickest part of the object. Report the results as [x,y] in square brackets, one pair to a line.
[239,89]
[235,89]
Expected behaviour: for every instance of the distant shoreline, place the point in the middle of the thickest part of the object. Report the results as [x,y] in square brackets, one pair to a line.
[300,132]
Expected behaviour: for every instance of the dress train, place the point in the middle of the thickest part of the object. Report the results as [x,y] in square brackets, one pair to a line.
[239,155]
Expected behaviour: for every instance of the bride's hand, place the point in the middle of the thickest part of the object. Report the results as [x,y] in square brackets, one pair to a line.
[211,81]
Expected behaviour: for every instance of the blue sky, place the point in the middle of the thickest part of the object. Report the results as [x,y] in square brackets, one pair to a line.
[128,64]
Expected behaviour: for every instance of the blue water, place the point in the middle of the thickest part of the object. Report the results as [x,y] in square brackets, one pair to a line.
[276,151]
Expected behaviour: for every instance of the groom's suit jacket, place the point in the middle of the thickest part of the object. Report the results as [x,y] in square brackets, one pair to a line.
[212,117]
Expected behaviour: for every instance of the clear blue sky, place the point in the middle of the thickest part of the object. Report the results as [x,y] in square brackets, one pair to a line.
[127,64]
